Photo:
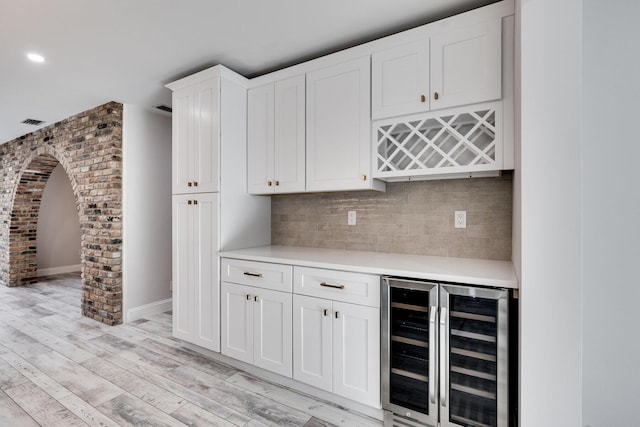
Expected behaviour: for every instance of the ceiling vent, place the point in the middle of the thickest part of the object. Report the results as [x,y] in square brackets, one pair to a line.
[32,122]
[165,108]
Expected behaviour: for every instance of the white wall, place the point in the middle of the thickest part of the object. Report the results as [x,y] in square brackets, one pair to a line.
[550,288]
[58,232]
[146,159]
[611,212]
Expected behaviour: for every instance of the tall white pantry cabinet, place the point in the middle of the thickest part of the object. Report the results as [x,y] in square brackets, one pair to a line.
[211,208]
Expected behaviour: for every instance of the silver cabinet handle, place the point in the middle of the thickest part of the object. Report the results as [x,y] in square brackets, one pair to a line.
[256,298]
[443,357]
[329,285]
[432,353]
[325,312]
[248,273]
[337,314]
[248,296]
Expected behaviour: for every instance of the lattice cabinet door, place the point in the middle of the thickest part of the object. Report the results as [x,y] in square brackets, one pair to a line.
[458,140]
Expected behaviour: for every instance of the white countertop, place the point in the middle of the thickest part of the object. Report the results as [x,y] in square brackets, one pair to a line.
[461,270]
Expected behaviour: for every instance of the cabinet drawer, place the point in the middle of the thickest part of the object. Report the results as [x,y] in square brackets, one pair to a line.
[344,286]
[259,274]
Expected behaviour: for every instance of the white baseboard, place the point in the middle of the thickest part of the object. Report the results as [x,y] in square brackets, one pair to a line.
[59,270]
[147,310]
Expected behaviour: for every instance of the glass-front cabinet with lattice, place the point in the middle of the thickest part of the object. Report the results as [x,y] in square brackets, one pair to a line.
[455,141]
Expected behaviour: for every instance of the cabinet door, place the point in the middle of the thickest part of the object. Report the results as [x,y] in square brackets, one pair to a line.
[182,141]
[206,132]
[400,80]
[312,347]
[195,269]
[338,127]
[260,140]
[356,353]
[289,167]
[184,293]
[272,331]
[206,271]
[237,321]
[195,138]
[466,65]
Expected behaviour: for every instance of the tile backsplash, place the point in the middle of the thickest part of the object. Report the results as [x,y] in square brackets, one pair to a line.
[410,217]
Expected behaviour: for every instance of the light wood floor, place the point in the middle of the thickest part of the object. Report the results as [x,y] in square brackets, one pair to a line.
[58,368]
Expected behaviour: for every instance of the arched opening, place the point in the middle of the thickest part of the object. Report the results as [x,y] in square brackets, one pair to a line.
[89,148]
[23,264]
[58,239]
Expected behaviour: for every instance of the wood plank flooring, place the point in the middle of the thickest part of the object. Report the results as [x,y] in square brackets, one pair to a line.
[58,368]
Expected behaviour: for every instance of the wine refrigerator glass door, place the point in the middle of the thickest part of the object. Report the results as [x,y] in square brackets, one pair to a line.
[473,357]
[409,355]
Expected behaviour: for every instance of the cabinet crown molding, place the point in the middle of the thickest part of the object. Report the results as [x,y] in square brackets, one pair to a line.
[499,9]
[215,71]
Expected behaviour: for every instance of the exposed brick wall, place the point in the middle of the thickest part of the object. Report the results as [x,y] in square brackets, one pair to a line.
[89,147]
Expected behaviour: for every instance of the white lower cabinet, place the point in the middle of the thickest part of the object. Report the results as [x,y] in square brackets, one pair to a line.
[312,341]
[237,321]
[356,352]
[195,269]
[336,345]
[256,327]
[325,334]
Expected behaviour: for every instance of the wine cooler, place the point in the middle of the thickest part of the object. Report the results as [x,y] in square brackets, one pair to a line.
[444,355]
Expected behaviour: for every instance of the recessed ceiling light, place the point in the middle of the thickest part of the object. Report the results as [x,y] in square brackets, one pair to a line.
[35,57]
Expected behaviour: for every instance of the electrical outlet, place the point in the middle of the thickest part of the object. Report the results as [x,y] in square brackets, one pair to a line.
[351,218]
[460,219]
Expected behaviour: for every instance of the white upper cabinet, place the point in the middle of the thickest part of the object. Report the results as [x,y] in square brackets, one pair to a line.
[338,128]
[289,164]
[460,66]
[400,80]
[466,65]
[276,138]
[196,138]
[260,139]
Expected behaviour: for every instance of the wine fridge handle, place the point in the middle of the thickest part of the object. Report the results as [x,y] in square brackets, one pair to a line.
[432,353]
[443,357]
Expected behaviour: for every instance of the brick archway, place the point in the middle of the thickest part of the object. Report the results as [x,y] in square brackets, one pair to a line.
[89,148]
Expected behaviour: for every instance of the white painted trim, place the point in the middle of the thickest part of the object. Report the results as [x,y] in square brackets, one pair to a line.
[147,310]
[495,10]
[59,270]
[206,74]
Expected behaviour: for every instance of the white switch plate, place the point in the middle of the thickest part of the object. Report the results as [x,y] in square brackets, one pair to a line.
[351,218]
[460,219]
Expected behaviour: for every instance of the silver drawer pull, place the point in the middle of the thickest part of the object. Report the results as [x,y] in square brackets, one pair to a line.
[247,273]
[329,285]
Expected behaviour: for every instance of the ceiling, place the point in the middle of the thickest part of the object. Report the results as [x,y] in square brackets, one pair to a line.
[127,50]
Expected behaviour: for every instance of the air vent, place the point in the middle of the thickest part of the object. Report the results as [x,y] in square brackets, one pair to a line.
[163,107]
[33,122]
